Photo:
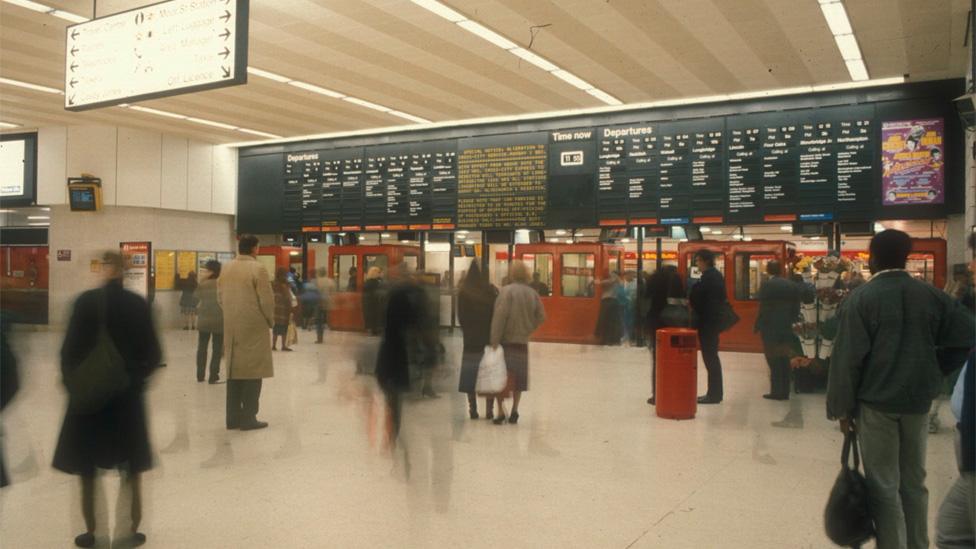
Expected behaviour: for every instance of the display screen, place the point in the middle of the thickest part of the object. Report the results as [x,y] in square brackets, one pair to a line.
[18,169]
[82,199]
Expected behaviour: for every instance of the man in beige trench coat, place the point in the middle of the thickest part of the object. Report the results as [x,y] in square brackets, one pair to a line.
[244,293]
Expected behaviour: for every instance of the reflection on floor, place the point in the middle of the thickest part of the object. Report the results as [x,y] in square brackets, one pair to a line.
[589,465]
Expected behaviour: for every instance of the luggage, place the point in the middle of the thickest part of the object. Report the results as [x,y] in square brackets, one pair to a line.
[847,517]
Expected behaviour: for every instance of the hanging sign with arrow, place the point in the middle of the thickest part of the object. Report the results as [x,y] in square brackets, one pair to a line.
[169,48]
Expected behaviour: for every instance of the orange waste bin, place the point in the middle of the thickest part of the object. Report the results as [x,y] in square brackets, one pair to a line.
[676,393]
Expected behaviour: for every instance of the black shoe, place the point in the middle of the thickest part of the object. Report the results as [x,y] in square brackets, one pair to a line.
[85,540]
[253,425]
[213,381]
[233,427]
[513,419]
[499,420]
[199,380]
[137,539]
[490,414]
[429,393]
[708,400]
[771,396]
[473,414]
[651,401]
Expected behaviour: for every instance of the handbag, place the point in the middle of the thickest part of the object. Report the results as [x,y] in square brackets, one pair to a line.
[101,376]
[727,317]
[847,517]
[492,372]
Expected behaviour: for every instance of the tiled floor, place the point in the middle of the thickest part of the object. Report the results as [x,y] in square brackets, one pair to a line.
[589,465]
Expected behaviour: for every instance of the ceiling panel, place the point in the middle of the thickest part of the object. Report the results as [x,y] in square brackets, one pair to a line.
[394,53]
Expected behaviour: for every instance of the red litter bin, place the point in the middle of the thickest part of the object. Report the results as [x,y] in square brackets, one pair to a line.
[676,393]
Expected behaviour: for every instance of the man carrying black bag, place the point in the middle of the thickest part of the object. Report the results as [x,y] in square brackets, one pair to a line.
[885,369]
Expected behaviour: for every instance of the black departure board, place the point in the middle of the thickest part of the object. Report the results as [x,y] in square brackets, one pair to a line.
[777,166]
[502,183]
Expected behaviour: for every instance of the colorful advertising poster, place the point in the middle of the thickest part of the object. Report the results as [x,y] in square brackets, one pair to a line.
[913,162]
[135,266]
[165,269]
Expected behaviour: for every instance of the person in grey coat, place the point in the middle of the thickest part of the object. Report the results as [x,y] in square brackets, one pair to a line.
[779,305]
[518,312]
[210,322]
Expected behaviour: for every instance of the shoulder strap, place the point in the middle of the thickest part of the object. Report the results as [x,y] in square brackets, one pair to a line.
[850,443]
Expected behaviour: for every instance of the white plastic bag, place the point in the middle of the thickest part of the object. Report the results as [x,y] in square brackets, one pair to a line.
[492,373]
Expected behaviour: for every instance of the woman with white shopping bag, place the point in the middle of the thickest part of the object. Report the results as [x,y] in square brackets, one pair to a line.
[476,302]
[518,313]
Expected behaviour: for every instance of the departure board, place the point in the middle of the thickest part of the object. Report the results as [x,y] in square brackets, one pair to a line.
[301,197]
[502,183]
[780,171]
[628,175]
[745,170]
[674,179]
[709,194]
[856,156]
[817,187]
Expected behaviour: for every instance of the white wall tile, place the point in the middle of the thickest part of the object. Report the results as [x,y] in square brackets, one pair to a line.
[52,150]
[174,173]
[93,149]
[200,177]
[139,161]
[224,180]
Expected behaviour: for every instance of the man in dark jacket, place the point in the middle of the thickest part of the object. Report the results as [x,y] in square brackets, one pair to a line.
[707,298]
[885,371]
[779,305]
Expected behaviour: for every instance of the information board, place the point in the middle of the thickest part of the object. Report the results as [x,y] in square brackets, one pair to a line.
[163,49]
[135,266]
[502,183]
[165,261]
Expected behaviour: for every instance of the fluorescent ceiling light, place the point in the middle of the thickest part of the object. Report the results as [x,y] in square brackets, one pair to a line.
[268,75]
[38,217]
[569,241]
[747,239]
[30,5]
[259,133]
[39,224]
[29,86]
[441,10]
[836,17]
[158,112]
[45,209]
[536,60]
[572,79]
[560,232]
[860,84]
[705,229]
[6,211]
[367,104]
[625,240]
[604,96]
[384,235]
[857,69]
[8,125]
[211,123]
[878,227]
[786,227]
[487,34]
[411,117]
[316,89]
[848,47]
[68,16]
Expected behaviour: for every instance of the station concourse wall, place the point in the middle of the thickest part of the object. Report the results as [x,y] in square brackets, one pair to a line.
[176,193]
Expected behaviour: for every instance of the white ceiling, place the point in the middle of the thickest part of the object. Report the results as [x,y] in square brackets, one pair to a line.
[399,55]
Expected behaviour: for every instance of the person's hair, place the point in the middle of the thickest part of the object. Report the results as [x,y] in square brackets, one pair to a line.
[519,272]
[192,275]
[374,272]
[214,267]
[774,268]
[247,244]
[473,281]
[707,256]
[112,265]
[323,272]
[889,249]
[292,270]
[281,275]
[663,284]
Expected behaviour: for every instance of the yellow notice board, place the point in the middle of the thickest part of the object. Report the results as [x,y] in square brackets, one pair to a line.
[165,269]
[185,263]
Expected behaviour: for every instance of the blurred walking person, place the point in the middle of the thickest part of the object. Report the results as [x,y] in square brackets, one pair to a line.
[283,306]
[518,312]
[109,350]
[476,304]
[779,306]
[372,301]
[244,294]
[9,382]
[668,308]
[326,288]
[210,323]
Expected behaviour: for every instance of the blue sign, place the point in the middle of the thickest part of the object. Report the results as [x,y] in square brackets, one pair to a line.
[817,217]
[675,221]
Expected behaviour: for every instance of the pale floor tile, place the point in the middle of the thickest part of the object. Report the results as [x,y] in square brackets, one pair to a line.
[589,465]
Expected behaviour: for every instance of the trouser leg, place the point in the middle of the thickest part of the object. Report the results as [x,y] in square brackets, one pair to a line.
[250,399]
[203,339]
[914,436]
[709,349]
[319,324]
[954,527]
[216,354]
[878,435]
[234,403]
[768,352]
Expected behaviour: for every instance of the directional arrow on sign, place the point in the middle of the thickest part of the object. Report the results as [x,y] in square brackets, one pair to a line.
[224,53]
[225,35]
[72,82]
[225,16]
[74,50]
[226,72]
[71,100]
[74,33]
[73,66]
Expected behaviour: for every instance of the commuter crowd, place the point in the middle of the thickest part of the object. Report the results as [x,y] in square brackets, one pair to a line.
[901,344]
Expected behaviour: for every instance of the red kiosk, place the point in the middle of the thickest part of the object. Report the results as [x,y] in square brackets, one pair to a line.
[347,267]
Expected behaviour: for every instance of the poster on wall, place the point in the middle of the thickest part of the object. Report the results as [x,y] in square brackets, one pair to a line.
[135,266]
[186,263]
[203,258]
[913,162]
[165,269]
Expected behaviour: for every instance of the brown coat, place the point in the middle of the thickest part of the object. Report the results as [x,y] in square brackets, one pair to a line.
[244,294]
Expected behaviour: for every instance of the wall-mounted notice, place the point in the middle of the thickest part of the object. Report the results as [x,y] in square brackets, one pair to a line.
[165,269]
[502,185]
[186,262]
[135,263]
[168,48]
[913,162]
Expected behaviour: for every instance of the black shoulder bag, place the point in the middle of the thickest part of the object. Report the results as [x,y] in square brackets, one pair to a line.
[847,517]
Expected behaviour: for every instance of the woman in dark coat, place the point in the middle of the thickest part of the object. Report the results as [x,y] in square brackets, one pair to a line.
[188,301]
[114,435]
[372,300]
[476,302]
[283,309]
[609,326]
[668,308]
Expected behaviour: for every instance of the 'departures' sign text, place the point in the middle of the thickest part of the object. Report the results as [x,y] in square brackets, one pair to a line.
[168,48]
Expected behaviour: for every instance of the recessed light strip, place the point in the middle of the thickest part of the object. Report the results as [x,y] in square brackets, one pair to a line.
[483,32]
[42,8]
[29,86]
[840,26]
[8,125]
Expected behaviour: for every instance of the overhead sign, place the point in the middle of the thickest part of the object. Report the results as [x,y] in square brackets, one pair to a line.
[169,48]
